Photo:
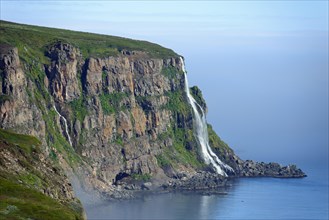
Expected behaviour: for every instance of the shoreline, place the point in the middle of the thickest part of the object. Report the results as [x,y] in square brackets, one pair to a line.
[203,182]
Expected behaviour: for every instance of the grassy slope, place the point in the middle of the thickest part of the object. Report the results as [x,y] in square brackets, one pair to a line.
[20,202]
[37,38]
[26,142]
[18,198]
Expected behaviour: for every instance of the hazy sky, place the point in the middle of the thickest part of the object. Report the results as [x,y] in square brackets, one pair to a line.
[262,65]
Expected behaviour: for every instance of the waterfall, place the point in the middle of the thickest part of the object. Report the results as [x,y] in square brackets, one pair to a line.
[201,133]
[65,124]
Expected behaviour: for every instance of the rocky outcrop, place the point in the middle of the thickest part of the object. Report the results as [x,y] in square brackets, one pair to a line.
[62,73]
[16,110]
[13,81]
[255,169]
[200,181]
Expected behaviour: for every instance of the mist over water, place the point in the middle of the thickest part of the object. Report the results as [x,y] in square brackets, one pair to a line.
[247,198]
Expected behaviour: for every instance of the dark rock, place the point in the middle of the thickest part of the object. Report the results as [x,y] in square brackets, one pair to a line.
[200,181]
[62,72]
[255,169]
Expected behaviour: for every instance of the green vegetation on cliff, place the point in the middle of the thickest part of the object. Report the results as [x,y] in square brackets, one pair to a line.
[183,150]
[111,102]
[79,108]
[57,141]
[197,95]
[178,103]
[4,98]
[216,143]
[36,39]
[20,202]
[220,148]
[26,143]
[22,177]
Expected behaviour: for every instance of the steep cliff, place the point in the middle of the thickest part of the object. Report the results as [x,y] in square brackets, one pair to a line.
[114,109]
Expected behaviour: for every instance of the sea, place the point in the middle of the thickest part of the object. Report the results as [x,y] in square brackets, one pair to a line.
[246,198]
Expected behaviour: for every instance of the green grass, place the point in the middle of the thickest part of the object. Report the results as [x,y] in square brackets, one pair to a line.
[79,108]
[20,197]
[4,98]
[26,149]
[181,138]
[178,102]
[53,156]
[220,147]
[216,142]
[179,153]
[20,202]
[56,140]
[25,142]
[106,105]
[32,180]
[119,141]
[170,72]
[183,150]
[35,39]
[111,103]
[197,95]
[142,177]
[163,161]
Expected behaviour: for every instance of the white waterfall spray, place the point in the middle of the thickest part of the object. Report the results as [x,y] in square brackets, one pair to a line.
[201,132]
[65,124]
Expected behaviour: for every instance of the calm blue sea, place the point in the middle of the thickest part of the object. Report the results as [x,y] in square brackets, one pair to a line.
[248,198]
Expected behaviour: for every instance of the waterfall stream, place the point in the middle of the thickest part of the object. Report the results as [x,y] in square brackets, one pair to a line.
[65,124]
[201,133]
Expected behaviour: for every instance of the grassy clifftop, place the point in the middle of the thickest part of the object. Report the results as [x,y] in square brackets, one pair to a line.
[38,38]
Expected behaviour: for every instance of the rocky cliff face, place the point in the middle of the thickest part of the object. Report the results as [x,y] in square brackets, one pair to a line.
[126,122]
[62,78]
[126,114]
[119,111]
[16,111]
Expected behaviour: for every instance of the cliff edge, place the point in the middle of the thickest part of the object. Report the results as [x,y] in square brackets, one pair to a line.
[113,109]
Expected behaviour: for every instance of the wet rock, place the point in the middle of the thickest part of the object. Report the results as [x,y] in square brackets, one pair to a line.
[200,181]
[255,169]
